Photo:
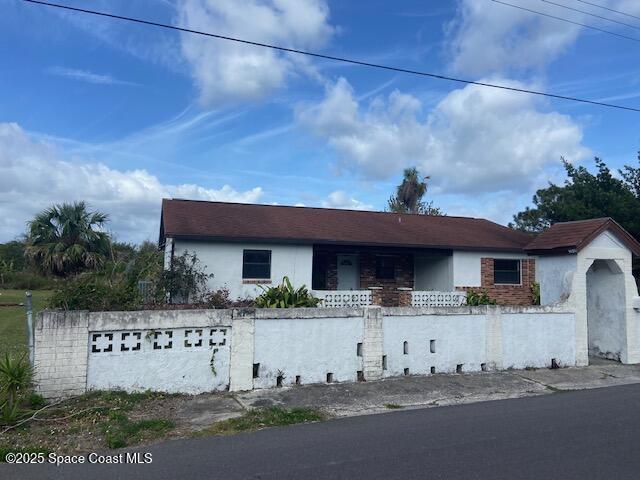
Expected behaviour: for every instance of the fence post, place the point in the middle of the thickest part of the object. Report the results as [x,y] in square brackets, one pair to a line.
[242,342]
[372,343]
[494,337]
[28,305]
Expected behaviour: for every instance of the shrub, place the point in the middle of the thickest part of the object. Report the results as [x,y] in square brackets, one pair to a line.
[217,299]
[26,280]
[184,282]
[96,293]
[15,383]
[479,298]
[285,296]
[535,293]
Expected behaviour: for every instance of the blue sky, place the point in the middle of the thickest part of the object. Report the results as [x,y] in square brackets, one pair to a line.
[121,115]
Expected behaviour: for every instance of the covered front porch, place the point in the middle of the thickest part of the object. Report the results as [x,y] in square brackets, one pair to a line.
[360,276]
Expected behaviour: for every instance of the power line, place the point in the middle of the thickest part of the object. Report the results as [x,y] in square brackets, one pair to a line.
[590,14]
[330,57]
[609,9]
[602,30]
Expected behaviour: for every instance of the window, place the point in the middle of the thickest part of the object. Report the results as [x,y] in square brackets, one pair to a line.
[385,267]
[506,272]
[256,264]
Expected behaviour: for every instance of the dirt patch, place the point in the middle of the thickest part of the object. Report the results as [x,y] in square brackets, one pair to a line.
[103,420]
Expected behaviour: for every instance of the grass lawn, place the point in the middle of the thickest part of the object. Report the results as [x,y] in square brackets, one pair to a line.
[13,320]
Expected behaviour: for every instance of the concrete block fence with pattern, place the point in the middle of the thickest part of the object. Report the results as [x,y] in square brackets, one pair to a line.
[194,351]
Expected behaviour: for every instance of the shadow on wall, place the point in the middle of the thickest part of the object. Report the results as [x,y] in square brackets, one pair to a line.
[606,310]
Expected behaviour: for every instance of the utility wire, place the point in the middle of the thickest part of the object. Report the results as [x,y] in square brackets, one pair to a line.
[602,30]
[330,57]
[609,9]
[590,14]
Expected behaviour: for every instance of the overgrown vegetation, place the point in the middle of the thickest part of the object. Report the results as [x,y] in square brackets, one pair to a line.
[94,292]
[16,377]
[265,417]
[286,296]
[184,282]
[109,419]
[476,298]
[120,431]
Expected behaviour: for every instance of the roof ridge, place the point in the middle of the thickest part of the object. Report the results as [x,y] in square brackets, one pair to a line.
[326,208]
[582,221]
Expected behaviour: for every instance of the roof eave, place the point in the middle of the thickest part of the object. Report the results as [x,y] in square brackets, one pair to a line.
[319,241]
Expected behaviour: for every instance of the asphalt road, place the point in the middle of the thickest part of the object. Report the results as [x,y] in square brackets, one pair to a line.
[591,434]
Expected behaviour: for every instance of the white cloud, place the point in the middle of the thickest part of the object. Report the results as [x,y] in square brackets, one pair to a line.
[486,37]
[89,77]
[33,175]
[341,199]
[475,139]
[225,71]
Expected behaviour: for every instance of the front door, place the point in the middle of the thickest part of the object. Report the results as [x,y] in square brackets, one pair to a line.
[348,272]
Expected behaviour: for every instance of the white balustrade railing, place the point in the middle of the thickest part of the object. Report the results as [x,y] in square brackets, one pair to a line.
[344,298]
[438,299]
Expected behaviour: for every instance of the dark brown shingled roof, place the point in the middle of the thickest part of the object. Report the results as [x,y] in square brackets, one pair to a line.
[564,236]
[234,221]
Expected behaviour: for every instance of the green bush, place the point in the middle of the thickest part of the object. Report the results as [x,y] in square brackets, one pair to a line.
[479,298]
[535,294]
[285,296]
[16,376]
[185,282]
[96,293]
[25,280]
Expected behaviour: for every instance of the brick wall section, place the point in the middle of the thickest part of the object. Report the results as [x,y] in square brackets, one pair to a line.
[404,277]
[389,294]
[332,271]
[404,297]
[60,353]
[506,294]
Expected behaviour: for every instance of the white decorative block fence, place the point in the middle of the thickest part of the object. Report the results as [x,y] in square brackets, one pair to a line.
[438,299]
[193,351]
[344,298]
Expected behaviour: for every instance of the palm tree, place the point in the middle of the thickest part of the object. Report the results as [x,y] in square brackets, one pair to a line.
[408,197]
[66,239]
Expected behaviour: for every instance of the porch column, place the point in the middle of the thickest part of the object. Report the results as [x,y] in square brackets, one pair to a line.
[376,296]
[405,297]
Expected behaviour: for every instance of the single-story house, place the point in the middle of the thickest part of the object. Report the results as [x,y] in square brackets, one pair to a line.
[353,257]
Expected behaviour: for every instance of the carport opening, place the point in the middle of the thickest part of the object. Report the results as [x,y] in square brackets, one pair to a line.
[606,310]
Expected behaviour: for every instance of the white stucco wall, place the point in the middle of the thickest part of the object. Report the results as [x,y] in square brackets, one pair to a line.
[533,339]
[175,351]
[81,350]
[224,260]
[308,347]
[555,274]
[179,369]
[605,247]
[433,273]
[459,339]
[606,321]
[466,266]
